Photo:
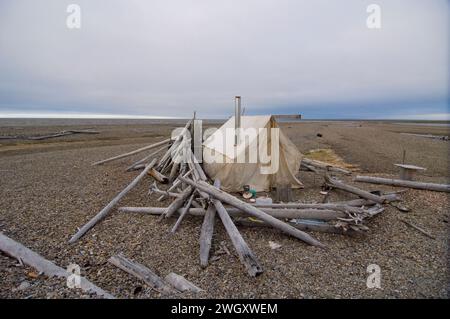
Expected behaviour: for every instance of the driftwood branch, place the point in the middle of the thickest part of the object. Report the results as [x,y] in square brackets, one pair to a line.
[418,229]
[105,211]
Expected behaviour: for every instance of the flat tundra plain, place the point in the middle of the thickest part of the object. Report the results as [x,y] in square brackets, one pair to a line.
[49,189]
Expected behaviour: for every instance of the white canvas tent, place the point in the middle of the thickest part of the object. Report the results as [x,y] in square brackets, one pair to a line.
[238,165]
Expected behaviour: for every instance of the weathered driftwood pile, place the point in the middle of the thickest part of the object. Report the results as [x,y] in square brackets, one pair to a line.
[194,195]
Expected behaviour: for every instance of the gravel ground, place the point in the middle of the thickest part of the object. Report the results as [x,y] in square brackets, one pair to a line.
[49,188]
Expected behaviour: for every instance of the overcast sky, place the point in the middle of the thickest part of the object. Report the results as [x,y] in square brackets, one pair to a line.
[170,57]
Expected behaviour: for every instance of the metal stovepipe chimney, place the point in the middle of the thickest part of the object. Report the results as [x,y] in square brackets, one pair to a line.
[237,119]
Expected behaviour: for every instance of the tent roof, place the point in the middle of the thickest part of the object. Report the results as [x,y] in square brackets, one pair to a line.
[216,141]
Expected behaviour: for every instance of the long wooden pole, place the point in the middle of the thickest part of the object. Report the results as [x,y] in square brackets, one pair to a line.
[183,213]
[102,214]
[291,213]
[253,211]
[132,152]
[206,235]
[355,190]
[246,256]
[177,203]
[403,183]
[133,166]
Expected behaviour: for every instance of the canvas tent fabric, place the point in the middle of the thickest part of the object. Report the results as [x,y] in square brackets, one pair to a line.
[238,165]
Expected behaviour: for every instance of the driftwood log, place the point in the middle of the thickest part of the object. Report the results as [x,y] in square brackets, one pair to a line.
[332,182]
[306,226]
[158,176]
[105,211]
[246,256]
[149,147]
[206,235]
[253,211]
[177,203]
[143,273]
[404,183]
[42,265]
[327,206]
[309,213]
[175,184]
[183,213]
[181,283]
[207,230]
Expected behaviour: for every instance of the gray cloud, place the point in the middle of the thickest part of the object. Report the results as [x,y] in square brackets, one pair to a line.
[167,58]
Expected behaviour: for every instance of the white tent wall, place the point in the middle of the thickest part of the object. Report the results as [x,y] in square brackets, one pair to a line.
[220,157]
